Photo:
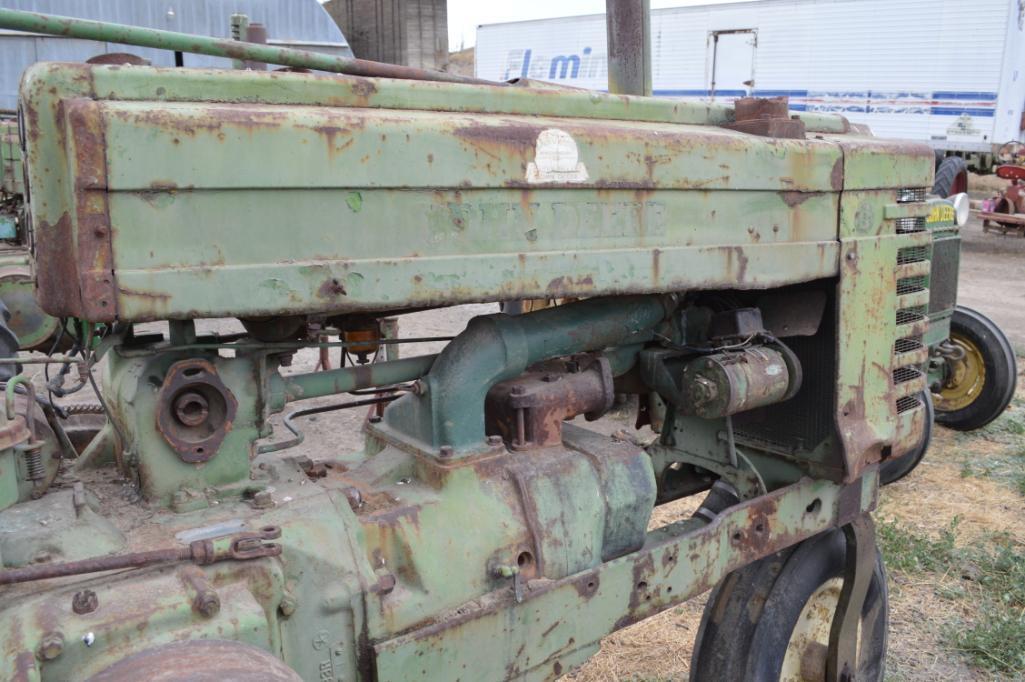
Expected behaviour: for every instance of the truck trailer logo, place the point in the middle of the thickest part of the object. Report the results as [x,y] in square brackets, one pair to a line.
[525,63]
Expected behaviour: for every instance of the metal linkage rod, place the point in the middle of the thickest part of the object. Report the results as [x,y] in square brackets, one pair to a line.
[239,547]
[86,29]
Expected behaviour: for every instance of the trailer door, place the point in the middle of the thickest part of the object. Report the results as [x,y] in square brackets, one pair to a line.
[733,63]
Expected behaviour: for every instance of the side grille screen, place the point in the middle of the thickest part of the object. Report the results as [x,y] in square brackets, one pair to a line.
[909,353]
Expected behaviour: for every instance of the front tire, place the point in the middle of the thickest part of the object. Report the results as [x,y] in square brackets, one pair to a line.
[765,620]
[977,389]
[897,468]
[951,177]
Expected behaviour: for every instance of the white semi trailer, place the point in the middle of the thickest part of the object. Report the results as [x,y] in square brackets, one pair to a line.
[944,71]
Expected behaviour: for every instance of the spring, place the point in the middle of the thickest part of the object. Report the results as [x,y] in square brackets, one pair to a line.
[83,408]
[34,463]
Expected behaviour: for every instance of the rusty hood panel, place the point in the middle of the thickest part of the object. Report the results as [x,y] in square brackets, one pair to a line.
[151,200]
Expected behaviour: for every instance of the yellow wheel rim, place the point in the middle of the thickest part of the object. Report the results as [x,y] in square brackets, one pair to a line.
[966,380]
[806,652]
[805,659]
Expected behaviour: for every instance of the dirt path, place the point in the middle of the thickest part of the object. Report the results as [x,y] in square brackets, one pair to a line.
[993,279]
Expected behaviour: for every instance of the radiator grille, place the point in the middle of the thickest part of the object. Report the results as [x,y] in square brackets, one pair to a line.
[904,374]
[912,254]
[907,195]
[909,315]
[907,345]
[910,285]
[908,402]
[909,225]
[908,377]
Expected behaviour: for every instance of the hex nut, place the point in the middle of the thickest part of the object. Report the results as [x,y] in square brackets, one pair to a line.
[287,606]
[262,499]
[207,603]
[84,601]
[50,646]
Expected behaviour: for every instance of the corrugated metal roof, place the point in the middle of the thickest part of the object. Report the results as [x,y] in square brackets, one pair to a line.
[293,23]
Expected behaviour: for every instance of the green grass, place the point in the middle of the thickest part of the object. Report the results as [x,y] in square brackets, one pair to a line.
[1007,465]
[992,581]
[905,551]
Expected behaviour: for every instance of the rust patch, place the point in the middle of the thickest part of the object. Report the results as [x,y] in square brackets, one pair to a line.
[362,87]
[792,199]
[329,133]
[587,585]
[331,288]
[95,250]
[643,572]
[56,269]
[836,175]
[145,295]
[516,137]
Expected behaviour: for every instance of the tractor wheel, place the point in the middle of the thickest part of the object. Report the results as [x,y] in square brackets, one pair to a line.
[978,387]
[899,467]
[951,177]
[770,620]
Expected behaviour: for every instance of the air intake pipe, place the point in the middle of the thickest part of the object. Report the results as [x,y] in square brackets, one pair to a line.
[448,408]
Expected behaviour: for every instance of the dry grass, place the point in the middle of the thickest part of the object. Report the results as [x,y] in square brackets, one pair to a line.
[657,648]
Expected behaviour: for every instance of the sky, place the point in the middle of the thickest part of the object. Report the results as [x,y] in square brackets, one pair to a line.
[465,15]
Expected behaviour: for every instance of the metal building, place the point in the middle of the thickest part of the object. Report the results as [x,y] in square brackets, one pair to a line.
[290,23]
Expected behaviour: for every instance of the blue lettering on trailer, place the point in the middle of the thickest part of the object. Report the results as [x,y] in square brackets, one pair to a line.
[590,65]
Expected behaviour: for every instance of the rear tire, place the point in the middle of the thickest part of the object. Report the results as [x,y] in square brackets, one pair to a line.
[897,468]
[758,613]
[975,396]
[951,177]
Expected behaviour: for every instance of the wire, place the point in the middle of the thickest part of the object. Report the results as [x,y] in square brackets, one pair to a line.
[666,341]
[118,452]
[299,436]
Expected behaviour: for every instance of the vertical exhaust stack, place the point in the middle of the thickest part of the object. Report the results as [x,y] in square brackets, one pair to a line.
[628,23]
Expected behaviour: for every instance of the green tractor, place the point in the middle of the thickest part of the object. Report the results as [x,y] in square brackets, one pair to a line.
[971,365]
[762,275]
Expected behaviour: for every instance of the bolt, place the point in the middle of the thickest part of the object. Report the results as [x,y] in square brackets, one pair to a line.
[494,440]
[385,581]
[262,499]
[50,646]
[354,496]
[374,419]
[207,603]
[445,451]
[704,390]
[420,387]
[84,602]
[287,606]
